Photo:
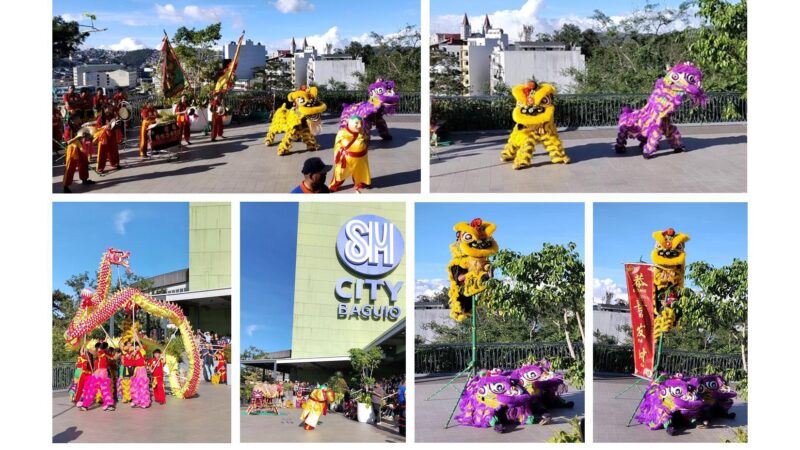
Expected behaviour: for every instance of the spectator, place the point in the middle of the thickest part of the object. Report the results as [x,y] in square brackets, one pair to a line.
[208,361]
[377,399]
[314,174]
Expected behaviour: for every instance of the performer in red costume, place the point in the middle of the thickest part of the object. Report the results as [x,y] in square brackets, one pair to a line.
[99,102]
[86,371]
[149,116]
[107,148]
[76,159]
[140,383]
[71,102]
[156,366]
[182,110]
[217,104]
[99,380]
[222,369]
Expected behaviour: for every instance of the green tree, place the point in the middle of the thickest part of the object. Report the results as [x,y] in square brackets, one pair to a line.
[439,298]
[195,50]
[569,34]
[335,85]
[492,328]
[67,37]
[358,50]
[544,287]
[719,304]
[276,74]
[445,74]
[720,46]
[395,57]
[604,339]
[364,362]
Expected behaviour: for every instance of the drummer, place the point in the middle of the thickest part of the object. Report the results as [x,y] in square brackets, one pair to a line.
[182,110]
[217,104]
[99,101]
[120,96]
[148,118]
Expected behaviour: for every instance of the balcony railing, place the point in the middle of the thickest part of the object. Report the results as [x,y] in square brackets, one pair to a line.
[619,359]
[453,358]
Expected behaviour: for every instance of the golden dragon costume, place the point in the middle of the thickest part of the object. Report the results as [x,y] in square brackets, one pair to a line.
[97,307]
[534,118]
[469,268]
[302,121]
[669,260]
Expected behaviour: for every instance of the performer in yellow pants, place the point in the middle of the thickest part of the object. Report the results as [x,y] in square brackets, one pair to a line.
[350,147]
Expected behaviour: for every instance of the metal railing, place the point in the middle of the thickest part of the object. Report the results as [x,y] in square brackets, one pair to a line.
[577,110]
[619,359]
[452,358]
[258,105]
[62,375]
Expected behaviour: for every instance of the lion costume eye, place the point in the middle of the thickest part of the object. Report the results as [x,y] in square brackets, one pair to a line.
[679,247]
[531,375]
[497,388]
[301,101]
[379,91]
[545,101]
[674,76]
[390,92]
[713,385]
[466,237]
[676,391]
[690,79]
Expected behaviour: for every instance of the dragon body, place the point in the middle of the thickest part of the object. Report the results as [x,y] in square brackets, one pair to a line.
[97,307]
[654,120]
[302,121]
[534,123]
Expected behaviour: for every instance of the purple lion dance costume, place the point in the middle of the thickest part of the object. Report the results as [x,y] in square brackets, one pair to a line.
[382,100]
[680,402]
[654,120]
[506,399]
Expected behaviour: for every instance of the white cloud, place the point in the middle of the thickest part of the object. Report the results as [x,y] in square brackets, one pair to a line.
[71,17]
[251,329]
[293,6]
[600,287]
[121,219]
[429,287]
[191,13]
[127,44]
[329,37]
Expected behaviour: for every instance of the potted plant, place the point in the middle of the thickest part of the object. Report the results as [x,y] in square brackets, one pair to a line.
[365,362]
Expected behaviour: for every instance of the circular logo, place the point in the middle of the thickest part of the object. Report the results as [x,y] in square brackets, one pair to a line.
[370,245]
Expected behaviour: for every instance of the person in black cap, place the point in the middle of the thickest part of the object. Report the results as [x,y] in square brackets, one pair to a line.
[314,173]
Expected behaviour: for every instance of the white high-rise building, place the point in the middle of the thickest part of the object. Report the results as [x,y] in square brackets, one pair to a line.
[251,56]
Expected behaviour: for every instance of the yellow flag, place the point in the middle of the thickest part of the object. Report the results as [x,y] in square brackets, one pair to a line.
[226,81]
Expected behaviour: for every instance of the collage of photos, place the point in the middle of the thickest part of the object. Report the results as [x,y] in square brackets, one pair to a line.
[614,314]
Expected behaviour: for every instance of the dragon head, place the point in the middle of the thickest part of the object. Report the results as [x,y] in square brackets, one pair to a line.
[712,387]
[534,103]
[381,93]
[679,395]
[475,238]
[307,104]
[119,258]
[686,77]
[495,390]
[669,249]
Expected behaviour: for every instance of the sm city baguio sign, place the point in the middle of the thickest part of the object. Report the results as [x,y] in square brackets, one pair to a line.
[370,248]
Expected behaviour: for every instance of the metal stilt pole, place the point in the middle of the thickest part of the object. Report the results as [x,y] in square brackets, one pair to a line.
[472,367]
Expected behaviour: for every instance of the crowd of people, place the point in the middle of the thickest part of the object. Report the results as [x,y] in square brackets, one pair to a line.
[212,353]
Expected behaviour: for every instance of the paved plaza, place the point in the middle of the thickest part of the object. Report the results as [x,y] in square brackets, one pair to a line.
[241,163]
[203,418]
[431,416]
[611,416]
[716,161]
[332,427]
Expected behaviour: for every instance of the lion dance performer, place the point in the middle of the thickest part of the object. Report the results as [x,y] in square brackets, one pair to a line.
[99,381]
[302,121]
[671,404]
[654,120]
[316,406]
[469,268]
[382,100]
[492,399]
[534,122]
[350,155]
[669,260]
[76,159]
[99,306]
[149,116]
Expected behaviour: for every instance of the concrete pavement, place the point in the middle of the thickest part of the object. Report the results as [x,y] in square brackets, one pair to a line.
[241,163]
[611,415]
[431,416]
[332,427]
[716,161]
[204,418]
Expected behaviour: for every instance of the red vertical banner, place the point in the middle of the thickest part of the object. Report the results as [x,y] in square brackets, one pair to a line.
[641,292]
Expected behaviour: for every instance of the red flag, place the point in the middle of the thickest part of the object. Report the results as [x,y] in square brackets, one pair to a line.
[639,278]
[228,77]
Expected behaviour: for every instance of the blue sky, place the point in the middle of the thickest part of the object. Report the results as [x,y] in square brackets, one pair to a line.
[521,227]
[544,15]
[267,274]
[137,24]
[156,234]
[622,233]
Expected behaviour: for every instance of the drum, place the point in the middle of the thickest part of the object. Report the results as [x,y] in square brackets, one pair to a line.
[124,111]
[164,135]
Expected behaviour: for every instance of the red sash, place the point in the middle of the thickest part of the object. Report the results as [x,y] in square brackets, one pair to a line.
[344,151]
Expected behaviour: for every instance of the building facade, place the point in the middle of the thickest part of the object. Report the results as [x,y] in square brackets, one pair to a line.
[322,69]
[251,56]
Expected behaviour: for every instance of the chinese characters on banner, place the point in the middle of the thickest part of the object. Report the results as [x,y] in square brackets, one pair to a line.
[639,278]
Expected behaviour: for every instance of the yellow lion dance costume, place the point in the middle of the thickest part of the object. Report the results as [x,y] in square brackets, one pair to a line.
[316,407]
[534,118]
[469,268]
[302,121]
[669,259]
